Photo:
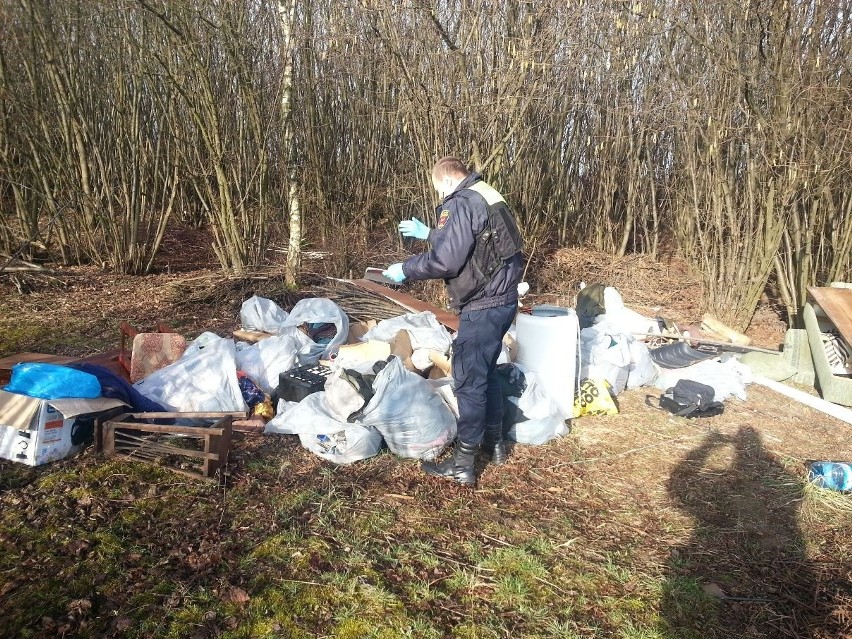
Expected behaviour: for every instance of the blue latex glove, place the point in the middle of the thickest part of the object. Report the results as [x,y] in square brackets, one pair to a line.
[394,272]
[414,228]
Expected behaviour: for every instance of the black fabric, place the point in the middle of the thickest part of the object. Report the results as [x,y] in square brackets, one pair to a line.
[688,398]
[513,382]
[477,385]
[470,284]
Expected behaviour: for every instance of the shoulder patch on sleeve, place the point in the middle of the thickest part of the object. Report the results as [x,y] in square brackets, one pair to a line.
[442,219]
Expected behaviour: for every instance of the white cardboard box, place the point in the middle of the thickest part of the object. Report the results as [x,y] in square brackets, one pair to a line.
[36,431]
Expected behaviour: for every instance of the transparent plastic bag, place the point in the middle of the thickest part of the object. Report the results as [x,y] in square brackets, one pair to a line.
[606,356]
[323,433]
[204,379]
[317,310]
[264,361]
[353,443]
[543,419]
[410,415]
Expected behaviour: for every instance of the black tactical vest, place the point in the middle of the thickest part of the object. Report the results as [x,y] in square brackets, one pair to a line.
[499,240]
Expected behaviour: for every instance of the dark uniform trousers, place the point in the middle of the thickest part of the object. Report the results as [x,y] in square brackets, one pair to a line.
[475,351]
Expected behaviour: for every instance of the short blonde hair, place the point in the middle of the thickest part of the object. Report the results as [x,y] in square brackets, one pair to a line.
[449,167]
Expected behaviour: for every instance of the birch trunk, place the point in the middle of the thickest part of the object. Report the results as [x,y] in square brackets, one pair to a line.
[287,13]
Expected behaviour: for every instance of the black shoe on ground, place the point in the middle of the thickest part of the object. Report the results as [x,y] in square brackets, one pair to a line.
[459,467]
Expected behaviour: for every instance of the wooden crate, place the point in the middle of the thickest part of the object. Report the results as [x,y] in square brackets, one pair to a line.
[204,446]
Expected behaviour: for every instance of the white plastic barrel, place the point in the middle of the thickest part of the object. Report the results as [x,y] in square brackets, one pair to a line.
[547,346]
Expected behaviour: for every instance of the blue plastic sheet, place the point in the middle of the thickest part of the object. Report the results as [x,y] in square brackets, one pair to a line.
[51,381]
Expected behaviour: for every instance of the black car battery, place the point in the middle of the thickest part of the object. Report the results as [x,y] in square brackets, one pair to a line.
[297,383]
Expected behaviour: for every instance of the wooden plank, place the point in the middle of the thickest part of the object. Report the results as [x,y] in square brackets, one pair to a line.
[408,302]
[197,431]
[168,415]
[6,363]
[108,360]
[725,346]
[837,304]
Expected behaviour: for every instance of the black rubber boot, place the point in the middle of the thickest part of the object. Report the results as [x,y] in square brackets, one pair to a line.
[494,446]
[459,467]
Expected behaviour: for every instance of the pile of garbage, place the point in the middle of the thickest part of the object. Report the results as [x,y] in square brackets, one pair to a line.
[347,390]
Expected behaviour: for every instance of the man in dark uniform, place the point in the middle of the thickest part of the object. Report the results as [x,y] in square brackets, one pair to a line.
[476,250]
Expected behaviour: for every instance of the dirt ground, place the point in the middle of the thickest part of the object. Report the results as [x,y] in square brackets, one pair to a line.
[709,520]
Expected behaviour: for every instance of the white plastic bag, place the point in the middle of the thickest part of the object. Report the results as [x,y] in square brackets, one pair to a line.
[261,314]
[353,443]
[544,419]
[204,379]
[537,431]
[728,378]
[264,361]
[642,371]
[322,433]
[424,328]
[409,414]
[318,310]
[309,416]
[604,355]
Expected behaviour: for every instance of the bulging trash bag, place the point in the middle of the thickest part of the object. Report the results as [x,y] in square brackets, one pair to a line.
[642,371]
[353,443]
[538,418]
[424,329]
[52,381]
[410,415]
[606,356]
[323,433]
[317,310]
[264,361]
[204,379]
[261,314]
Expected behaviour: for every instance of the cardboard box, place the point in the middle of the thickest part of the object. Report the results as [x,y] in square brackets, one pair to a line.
[36,431]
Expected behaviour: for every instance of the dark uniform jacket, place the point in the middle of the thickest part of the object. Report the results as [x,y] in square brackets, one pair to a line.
[463,217]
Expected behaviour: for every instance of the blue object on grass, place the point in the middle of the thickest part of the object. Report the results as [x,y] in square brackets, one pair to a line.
[52,381]
[831,475]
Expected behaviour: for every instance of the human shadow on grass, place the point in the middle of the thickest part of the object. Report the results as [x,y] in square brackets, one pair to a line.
[744,572]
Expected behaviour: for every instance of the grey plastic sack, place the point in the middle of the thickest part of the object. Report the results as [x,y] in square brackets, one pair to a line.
[410,415]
